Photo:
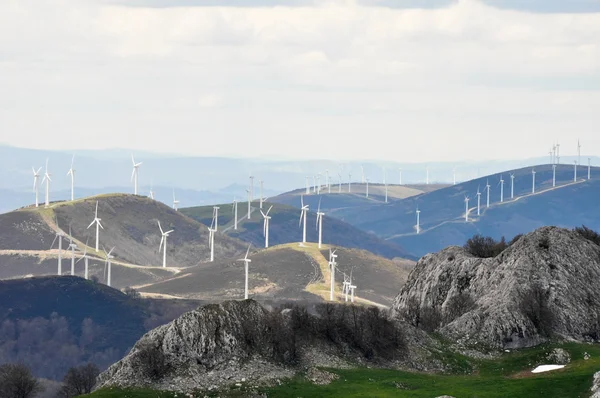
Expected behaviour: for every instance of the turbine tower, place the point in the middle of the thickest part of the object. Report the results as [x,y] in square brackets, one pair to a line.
[400,169]
[211,242]
[85,260]
[575,171]
[533,181]
[349,182]
[487,186]
[266,222]
[352,287]
[234,209]
[59,235]
[260,188]
[303,211]
[466,208]
[175,201]
[72,247]
[151,195]
[553,175]
[501,189]
[589,168]
[367,191]
[332,264]
[418,220]
[246,261]
[307,185]
[134,175]
[249,204]
[163,243]
[47,180]
[98,226]
[557,153]
[339,183]
[512,186]
[36,176]
[107,264]
[478,202]
[71,173]
[251,188]
[216,217]
[320,215]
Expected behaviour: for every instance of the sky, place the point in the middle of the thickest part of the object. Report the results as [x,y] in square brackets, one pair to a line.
[403,80]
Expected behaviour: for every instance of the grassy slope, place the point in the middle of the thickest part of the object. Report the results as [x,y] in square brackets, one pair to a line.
[508,376]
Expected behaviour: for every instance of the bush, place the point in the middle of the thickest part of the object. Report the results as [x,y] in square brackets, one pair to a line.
[431,319]
[485,246]
[457,306]
[16,381]
[589,234]
[412,312]
[152,361]
[79,380]
[132,293]
[534,305]
[515,239]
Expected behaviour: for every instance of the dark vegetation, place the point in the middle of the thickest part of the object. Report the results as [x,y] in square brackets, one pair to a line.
[485,246]
[589,234]
[79,380]
[152,361]
[52,324]
[430,318]
[16,381]
[534,304]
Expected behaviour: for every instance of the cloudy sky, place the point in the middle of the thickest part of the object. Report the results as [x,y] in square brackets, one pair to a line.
[407,80]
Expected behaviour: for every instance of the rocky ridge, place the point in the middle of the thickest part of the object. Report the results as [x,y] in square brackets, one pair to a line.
[542,286]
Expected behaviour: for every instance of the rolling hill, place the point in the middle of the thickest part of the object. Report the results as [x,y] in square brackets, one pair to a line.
[288,272]
[442,211]
[284,228]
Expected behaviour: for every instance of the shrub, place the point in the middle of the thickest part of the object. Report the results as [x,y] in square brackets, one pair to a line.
[544,243]
[515,239]
[152,361]
[79,380]
[431,319]
[16,381]
[534,305]
[412,311]
[132,293]
[485,246]
[589,234]
[457,306]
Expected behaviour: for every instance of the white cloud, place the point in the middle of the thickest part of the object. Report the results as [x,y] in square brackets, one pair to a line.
[464,81]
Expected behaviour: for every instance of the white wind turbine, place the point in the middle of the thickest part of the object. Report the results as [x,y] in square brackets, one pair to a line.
[575,172]
[346,287]
[303,211]
[151,190]
[327,183]
[234,209]
[175,201]
[367,191]
[72,247]
[332,264]
[266,222]
[211,239]
[339,183]
[59,235]
[85,260]
[466,208]
[249,203]
[134,175]
[512,186]
[261,198]
[216,217]
[487,185]
[352,287]
[400,169]
[320,215]
[47,180]
[557,153]
[349,182]
[589,168]
[318,183]
[36,176]
[501,183]
[418,221]
[107,264]
[533,181]
[71,173]
[251,188]
[246,261]
[163,243]
[478,202]
[98,226]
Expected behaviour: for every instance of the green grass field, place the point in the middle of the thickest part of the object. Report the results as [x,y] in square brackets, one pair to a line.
[508,376]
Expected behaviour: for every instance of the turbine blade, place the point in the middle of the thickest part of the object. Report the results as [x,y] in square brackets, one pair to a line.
[168,232]
[161,230]
[247,252]
[161,243]
[92,223]
[132,174]
[100,224]
[96,216]
[268,211]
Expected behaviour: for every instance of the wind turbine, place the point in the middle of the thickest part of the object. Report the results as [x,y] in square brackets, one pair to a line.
[487,185]
[59,235]
[589,168]
[107,264]
[98,226]
[575,172]
[339,183]
[578,152]
[352,287]
[345,287]
[314,184]
[327,182]
[211,242]
[454,176]
[533,181]
[418,219]
[85,260]
[260,188]
[72,247]
[557,153]
[134,175]
[466,208]
[36,176]
[266,221]
[234,209]
[47,180]
[320,223]
[71,173]
[175,201]
[553,175]
[349,182]
[400,169]
[332,264]
[216,217]
[151,190]
[246,261]
[367,191]
[501,183]
[251,189]
[318,183]
[478,201]
[307,185]
[163,240]
[303,211]
[512,186]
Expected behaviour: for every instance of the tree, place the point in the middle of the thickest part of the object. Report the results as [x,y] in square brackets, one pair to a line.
[16,381]
[79,380]
[485,246]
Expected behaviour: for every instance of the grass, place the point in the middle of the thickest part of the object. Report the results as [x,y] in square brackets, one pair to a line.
[507,376]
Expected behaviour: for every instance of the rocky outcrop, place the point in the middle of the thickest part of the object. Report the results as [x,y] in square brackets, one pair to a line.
[542,285]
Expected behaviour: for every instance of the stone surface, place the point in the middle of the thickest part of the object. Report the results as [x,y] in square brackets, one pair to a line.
[320,377]
[596,386]
[559,356]
[560,262]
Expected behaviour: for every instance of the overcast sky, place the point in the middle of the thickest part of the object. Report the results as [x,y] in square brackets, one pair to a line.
[339,79]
